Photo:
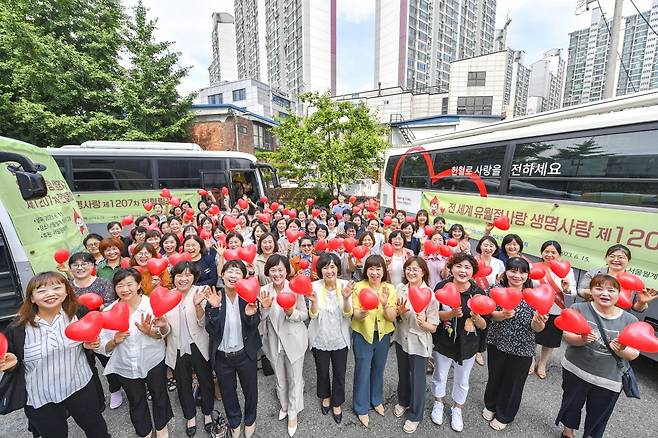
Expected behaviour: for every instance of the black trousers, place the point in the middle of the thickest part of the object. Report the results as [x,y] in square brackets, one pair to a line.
[334,388]
[50,420]
[412,383]
[599,404]
[135,390]
[112,379]
[507,376]
[185,365]
[228,369]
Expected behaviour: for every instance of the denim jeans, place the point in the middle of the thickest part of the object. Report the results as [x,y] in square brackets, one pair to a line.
[370,360]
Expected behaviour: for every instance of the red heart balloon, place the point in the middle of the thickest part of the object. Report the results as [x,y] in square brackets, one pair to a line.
[419,298]
[339,215]
[230,222]
[481,304]
[430,247]
[537,272]
[368,299]
[571,320]
[286,300]
[630,281]
[452,242]
[117,318]
[148,206]
[352,199]
[165,193]
[315,212]
[176,258]
[163,300]
[213,210]
[248,289]
[205,234]
[506,297]
[349,244]
[410,219]
[292,213]
[175,202]
[224,191]
[639,335]
[202,192]
[292,235]
[321,245]
[156,266]
[264,218]
[304,264]
[335,243]
[360,251]
[540,298]
[243,204]
[625,300]
[86,329]
[189,211]
[90,300]
[445,250]
[125,262]
[274,206]
[502,223]
[264,199]
[429,230]
[301,284]
[127,220]
[388,220]
[388,250]
[356,210]
[560,267]
[4,345]
[62,255]
[449,295]
[483,270]
[247,253]
[310,201]
[314,265]
[231,254]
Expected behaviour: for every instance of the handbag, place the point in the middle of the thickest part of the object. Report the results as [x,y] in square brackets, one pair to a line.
[628,379]
[13,395]
[219,428]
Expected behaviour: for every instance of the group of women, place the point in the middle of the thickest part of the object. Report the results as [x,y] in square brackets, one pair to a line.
[214,335]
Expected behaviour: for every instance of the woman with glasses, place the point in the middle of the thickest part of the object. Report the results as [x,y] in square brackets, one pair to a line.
[91,244]
[142,253]
[305,253]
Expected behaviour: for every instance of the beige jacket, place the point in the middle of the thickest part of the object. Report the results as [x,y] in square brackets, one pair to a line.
[197,328]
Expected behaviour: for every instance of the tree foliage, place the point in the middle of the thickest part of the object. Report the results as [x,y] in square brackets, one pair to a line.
[337,143]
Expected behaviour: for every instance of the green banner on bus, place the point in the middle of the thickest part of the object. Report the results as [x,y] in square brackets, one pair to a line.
[585,232]
[47,224]
[104,207]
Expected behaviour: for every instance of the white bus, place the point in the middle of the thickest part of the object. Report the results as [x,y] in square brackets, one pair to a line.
[586,176]
[111,179]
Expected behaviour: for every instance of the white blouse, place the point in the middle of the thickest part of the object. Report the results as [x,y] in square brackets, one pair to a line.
[138,353]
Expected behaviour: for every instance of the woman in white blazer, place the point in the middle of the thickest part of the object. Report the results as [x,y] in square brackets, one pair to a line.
[187,345]
[284,339]
[329,333]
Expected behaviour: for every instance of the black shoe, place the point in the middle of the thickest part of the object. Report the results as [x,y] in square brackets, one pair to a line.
[338,418]
[191,431]
[324,409]
[207,427]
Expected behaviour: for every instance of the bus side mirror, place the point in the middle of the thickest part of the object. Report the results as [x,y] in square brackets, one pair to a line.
[30,182]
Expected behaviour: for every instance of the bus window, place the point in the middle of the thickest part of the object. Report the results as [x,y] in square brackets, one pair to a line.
[8,283]
[212,180]
[244,183]
[486,162]
[179,173]
[91,174]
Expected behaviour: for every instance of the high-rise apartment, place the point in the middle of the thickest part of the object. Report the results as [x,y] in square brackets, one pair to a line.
[416,40]
[224,66]
[639,53]
[545,86]
[250,39]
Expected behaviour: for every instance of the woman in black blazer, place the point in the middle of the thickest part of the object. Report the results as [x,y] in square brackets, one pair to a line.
[234,343]
[410,241]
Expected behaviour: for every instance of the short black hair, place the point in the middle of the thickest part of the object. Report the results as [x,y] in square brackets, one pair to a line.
[377,261]
[235,264]
[112,224]
[552,243]
[327,258]
[84,256]
[198,240]
[91,236]
[461,257]
[180,267]
[122,274]
[517,263]
[478,247]
[235,234]
[274,260]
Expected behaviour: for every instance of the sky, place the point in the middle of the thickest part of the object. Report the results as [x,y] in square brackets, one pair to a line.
[537,26]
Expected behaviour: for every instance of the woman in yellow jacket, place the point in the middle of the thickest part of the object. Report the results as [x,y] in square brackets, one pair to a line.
[371,338]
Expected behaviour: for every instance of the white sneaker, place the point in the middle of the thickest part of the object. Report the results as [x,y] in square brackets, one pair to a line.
[116,399]
[437,413]
[456,421]
[487,414]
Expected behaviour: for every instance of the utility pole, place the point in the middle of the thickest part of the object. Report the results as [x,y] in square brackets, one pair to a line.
[611,69]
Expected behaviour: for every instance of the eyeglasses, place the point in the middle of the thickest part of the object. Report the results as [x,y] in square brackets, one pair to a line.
[617,257]
[84,265]
[306,245]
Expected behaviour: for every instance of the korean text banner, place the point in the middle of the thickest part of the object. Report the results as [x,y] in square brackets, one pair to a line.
[584,232]
[104,207]
[47,224]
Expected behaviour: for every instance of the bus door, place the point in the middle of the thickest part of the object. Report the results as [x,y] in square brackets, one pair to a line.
[269,178]
[10,292]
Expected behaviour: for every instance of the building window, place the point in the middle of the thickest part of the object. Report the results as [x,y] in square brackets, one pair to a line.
[262,138]
[444,105]
[242,129]
[215,99]
[476,78]
[478,105]
[240,94]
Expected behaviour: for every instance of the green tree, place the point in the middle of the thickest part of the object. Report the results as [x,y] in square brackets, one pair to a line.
[151,104]
[337,143]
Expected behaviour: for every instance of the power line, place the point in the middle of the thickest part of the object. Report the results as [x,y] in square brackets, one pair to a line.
[628,76]
[644,18]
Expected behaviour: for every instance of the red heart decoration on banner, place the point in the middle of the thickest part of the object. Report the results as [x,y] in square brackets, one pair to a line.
[321,245]
[243,203]
[388,220]
[506,297]
[176,258]
[368,299]
[247,253]
[274,206]
[117,318]
[304,264]
[301,284]
[560,267]
[148,206]
[315,212]
[61,255]
[445,250]
[335,243]
[165,193]
[4,345]
[175,202]
[202,192]
[481,304]
[483,270]
[230,222]
[310,202]
[429,230]
[352,199]
[537,272]
[540,298]
[571,320]
[452,242]
[127,220]
[90,300]
[156,266]
[86,329]
[163,300]
[247,289]
[360,251]
[213,210]
[264,199]
[349,244]
[449,295]
[231,254]
[502,223]
[625,300]
[264,218]
[292,235]
[639,335]
[224,191]
[125,262]
[419,298]
[630,281]
[388,250]
[430,247]
[286,300]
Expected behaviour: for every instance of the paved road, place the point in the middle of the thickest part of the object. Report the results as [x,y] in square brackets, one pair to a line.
[632,418]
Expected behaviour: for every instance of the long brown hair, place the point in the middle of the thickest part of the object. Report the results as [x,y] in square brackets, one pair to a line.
[28,310]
